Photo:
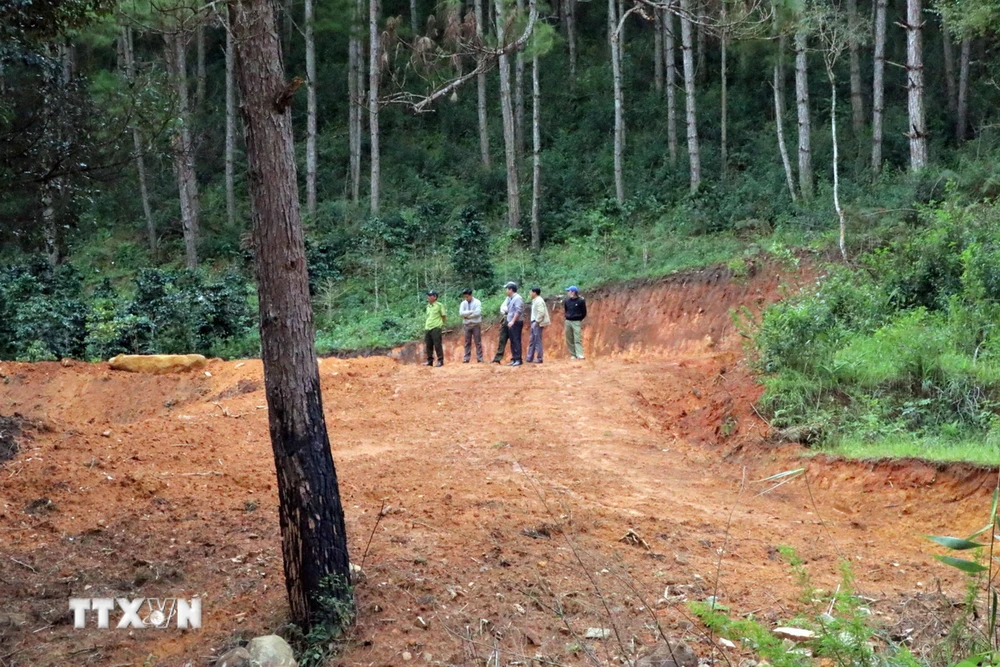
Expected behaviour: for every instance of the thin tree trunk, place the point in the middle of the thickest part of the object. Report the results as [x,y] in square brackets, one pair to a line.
[836,170]
[571,36]
[724,103]
[962,120]
[949,70]
[658,50]
[670,55]
[878,87]
[519,90]
[687,47]
[484,129]
[355,87]
[857,98]
[128,56]
[313,533]
[311,165]
[616,69]
[414,18]
[183,149]
[509,137]
[802,107]
[374,68]
[702,42]
[536,155]
[199,90]
[779,106]
[915,85]
[230,127]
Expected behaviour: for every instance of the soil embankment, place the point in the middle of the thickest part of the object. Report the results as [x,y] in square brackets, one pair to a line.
[509,510]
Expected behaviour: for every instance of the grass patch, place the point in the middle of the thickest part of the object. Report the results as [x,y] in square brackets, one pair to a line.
[978,450]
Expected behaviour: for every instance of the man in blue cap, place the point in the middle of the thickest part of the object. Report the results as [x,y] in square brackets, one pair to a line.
[576,310]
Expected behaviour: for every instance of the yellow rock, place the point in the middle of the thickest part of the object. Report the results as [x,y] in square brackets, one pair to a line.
[157,363]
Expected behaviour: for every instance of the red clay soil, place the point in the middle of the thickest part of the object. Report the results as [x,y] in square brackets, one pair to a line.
[519,506]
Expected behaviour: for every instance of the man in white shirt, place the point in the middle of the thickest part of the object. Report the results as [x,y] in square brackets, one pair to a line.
[471,311]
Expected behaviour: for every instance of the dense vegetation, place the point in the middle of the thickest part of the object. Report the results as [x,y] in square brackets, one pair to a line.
[897,344]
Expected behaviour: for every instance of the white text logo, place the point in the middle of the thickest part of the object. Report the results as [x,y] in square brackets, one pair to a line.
[140,613]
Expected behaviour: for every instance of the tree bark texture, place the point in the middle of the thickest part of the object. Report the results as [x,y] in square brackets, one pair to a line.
[484,128]
[723,101]
[201,75]
[878,87]
[687,47]
[779,112]
[313,534]
[962,121]
[948,51]
[374,69]
[571,36]
[802,108]
[355,91]
[658,58]
[507,111]
[670,81]
[519,91]
[414,18]
[915,85]
[616,70]
[311,167]
[854,48]
[128,56]
[230,157]
[183,148]
[536,156]
[836,169]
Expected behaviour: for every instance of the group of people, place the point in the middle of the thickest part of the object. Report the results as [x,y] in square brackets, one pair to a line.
[514,313]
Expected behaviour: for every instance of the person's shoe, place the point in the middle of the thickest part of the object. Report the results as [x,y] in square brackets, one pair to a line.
[537,362]
[514,363]
[439,363]
[465,361]
[479,361]
[429,364]
[496,361]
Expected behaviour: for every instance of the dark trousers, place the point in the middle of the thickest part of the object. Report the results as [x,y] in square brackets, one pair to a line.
[535,343]
[514,331]
[473,332]
[432,343]
[502,344]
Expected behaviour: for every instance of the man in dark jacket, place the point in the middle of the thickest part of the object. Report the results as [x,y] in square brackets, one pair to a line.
[576,311]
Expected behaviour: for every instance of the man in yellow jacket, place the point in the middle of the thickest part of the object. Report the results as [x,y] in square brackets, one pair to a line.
[539,320]
[432,329]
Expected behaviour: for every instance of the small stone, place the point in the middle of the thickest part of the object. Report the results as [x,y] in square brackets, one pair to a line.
[597,633]
[726,643]
[675,654]
[106,434]
[422,623]
[238,657]
[407,656]
[271,651]
[794,634]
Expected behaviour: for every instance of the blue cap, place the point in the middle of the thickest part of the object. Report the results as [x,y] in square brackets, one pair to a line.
[573,288]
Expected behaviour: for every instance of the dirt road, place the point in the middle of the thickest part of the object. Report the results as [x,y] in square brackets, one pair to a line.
[519,507]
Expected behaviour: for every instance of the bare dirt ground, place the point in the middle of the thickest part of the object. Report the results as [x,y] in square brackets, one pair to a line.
[519,507]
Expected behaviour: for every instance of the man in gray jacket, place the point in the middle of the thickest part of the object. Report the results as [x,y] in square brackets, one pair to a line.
[471,311]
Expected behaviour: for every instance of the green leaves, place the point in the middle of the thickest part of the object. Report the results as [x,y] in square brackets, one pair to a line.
[967,566]
[953,543]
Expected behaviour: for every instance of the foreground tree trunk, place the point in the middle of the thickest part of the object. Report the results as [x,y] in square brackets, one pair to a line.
[802,108]
[616,69]
[183,148]
[484,128]
[311,165]
[857,98]
[507,111]
[536,156]
[374,68]
[670,81]
[915,85]
[230,128]
[878,87]
[128,55]
[962,120]
[313,534]
[687,46]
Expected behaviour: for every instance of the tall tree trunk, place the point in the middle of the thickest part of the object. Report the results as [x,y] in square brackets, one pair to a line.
[519,90]
[779,111]
[836,170]
[616,69]
[724,102]
[802,107]
[687,47]
[702,42]
[311,166]
[201,76]
[183,148]
[484,129]
[128,57]
[915,85]
[949,70]
[313,534]
[962,120]
[374,69]
[536,156]
[670,56]
[509,137]
[878,87]
[356,88]
[658,49]
[571,37]
[414,18]
[230,128]
[857,98]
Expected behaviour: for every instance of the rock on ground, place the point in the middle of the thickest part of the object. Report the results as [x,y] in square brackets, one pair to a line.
[157,363]
[237,657]
[677,654]
[270,651]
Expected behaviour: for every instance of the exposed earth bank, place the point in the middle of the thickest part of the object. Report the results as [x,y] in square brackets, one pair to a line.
[519,507]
